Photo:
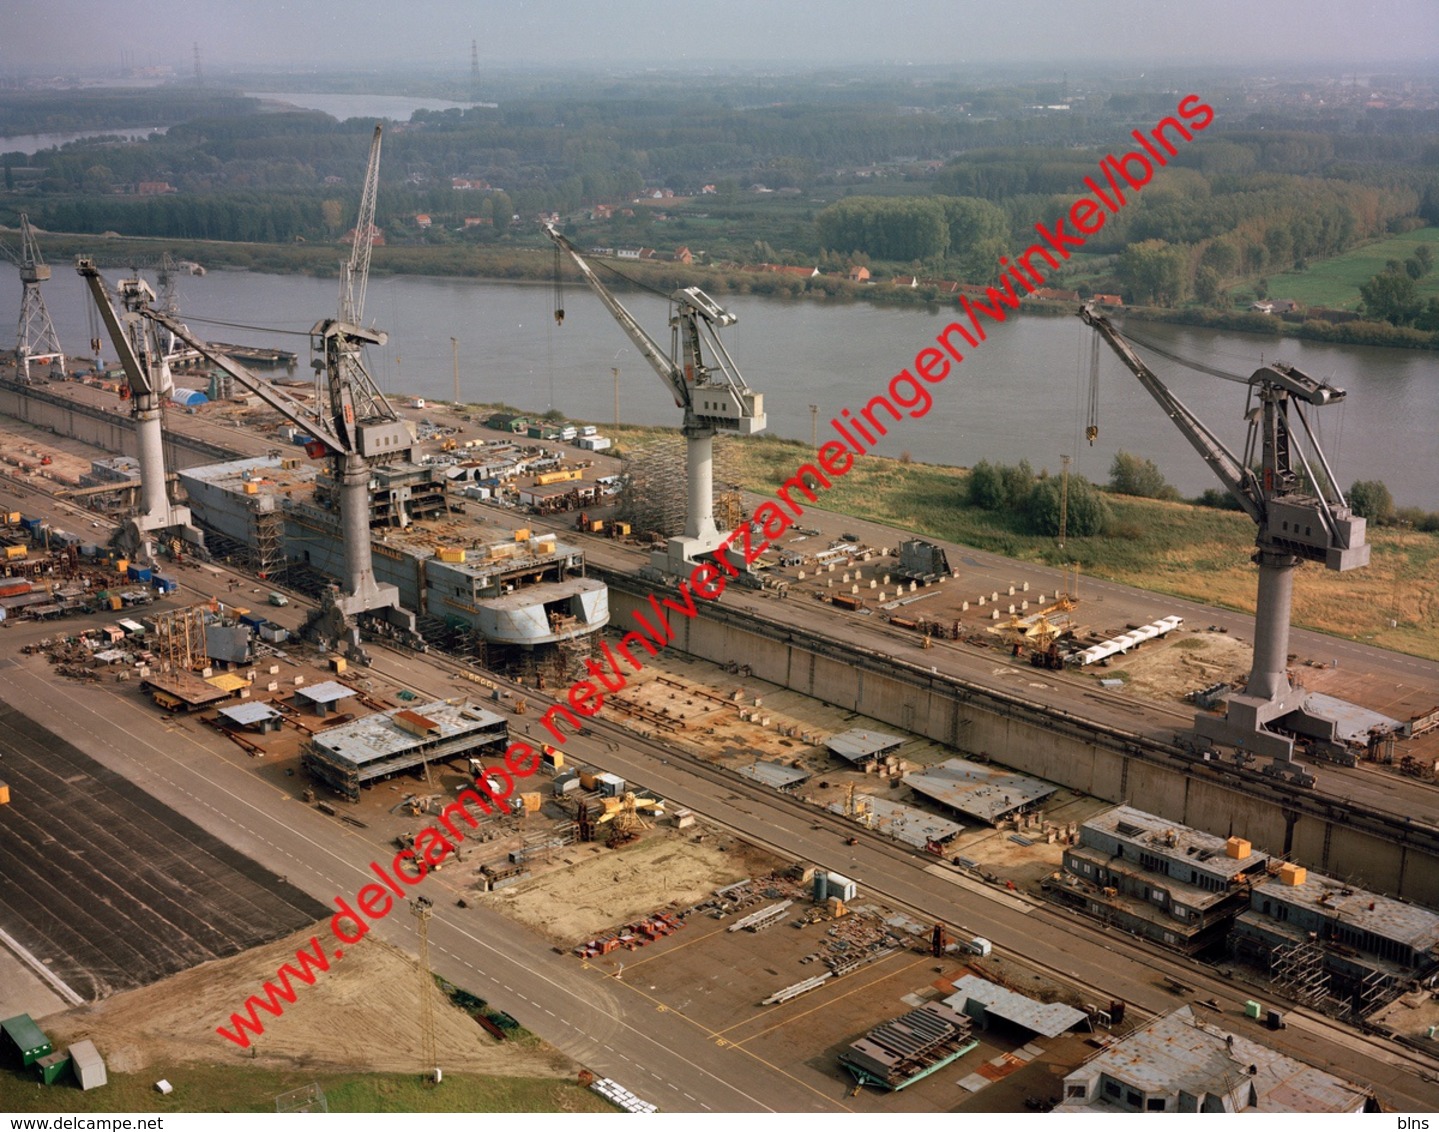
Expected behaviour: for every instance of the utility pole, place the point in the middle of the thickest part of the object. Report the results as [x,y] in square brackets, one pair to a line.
[455,356]
[814,427]
[422,908]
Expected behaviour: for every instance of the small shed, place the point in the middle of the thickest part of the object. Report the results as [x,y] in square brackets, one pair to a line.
[255,716]
[52,1067]
[24,1039]
[325,698]
[89,1065]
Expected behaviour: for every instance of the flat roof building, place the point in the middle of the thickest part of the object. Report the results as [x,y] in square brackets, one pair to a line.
[1177,886]
[353,755]
[1179,1063]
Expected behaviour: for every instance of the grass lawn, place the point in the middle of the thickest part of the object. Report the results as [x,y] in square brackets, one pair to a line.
[1197,553]
[1336,282]
[245,1088]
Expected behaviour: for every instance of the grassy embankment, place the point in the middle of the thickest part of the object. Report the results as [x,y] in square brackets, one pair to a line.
[1336,282]
[243,1088]
[1172,548]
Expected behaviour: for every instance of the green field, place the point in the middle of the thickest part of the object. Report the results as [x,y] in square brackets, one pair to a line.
[245,1088]
[1192,552]
[1336,282]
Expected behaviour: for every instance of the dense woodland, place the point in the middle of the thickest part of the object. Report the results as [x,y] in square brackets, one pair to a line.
[902,174]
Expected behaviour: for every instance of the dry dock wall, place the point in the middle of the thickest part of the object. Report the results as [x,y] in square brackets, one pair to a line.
[112,431]
[1369,848]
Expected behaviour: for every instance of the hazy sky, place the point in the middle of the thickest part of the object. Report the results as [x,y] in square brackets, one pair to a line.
[73,34]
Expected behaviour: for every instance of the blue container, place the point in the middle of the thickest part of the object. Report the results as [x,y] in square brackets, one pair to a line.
[253,620]
[138,573]
[165,585]
[301,439]
[32,525]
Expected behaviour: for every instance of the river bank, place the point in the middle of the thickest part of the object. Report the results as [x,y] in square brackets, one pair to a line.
[513,263]
[1198,553]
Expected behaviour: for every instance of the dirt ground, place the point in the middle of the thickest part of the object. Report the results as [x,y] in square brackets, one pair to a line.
[360,1015]
[605,888]
[1182,664]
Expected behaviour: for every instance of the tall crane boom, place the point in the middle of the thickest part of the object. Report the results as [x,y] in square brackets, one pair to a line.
[355,273]
[1300,515]
[712,394]
[148,379]
[1240,481]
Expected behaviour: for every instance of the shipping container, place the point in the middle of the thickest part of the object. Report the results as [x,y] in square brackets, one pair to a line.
[165,584]
[139,573]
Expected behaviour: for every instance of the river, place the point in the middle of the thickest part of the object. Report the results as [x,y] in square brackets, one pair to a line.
[29,144]
[1021,394]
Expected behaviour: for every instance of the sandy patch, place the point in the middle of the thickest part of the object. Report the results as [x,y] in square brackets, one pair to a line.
[362,1014]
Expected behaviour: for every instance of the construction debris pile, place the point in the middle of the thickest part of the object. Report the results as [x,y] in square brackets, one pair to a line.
[632,936]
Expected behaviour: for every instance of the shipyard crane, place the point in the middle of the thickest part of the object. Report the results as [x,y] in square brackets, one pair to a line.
[355,271]
[35,338]
[359,427]
[712,394]
[1300,516]
[148,384]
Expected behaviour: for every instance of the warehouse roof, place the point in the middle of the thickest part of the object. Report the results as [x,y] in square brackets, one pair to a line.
[1180,1054]
[858,745]
[982,791]
[1047,1018]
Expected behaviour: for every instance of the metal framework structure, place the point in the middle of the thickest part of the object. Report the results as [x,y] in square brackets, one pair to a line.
[148,384]
[422,908]
[35,338]
[712,394]
[1301,515]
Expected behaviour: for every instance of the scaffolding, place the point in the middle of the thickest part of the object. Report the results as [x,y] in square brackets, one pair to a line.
[178,640]
[1300,970]
[654,494]
[1375,992]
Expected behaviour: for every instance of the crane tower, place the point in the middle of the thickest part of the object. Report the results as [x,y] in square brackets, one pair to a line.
[148,384]
[35,340]
[712,394]
[1301,516]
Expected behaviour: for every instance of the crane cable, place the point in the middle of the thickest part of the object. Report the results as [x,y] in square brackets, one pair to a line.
[1186,362]
[1091,429]
[559,289]
[246,326]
